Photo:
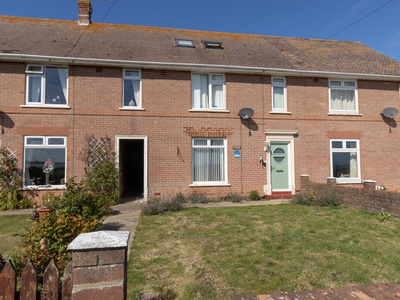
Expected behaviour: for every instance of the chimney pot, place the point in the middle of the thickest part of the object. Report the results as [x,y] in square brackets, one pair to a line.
[85,12]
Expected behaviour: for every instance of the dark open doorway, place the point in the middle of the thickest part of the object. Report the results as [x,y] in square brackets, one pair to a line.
[131,169]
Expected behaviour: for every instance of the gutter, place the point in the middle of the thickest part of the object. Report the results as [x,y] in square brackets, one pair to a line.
[189,67]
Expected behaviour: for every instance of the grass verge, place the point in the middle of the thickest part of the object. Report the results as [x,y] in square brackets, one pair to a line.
[205,253]
[11,226]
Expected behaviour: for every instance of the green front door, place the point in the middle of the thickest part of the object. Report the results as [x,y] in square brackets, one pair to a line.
[279,166]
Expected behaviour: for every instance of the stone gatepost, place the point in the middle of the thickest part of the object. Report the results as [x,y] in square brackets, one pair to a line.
[99,261]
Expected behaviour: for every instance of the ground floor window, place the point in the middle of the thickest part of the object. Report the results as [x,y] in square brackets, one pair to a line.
[44,162]
[345,160]
[209,160]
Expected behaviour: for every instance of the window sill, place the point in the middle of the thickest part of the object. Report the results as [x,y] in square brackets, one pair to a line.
[131,108]
[45,106]
[344,114]
[207,184]
[348,181]
[280,112]
[209,110]
[44,187]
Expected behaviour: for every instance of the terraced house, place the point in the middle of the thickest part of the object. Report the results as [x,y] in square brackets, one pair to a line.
[194,111]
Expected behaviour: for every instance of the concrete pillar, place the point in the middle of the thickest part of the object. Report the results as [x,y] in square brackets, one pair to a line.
[304,180]
[369,184]
[99,261]
[330,180]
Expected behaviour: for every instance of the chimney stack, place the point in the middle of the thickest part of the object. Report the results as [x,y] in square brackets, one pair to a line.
[85,12]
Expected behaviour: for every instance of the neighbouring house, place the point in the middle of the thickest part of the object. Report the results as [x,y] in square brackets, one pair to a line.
[195,111]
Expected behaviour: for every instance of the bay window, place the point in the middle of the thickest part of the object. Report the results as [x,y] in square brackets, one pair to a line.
[209,160]
[46,85]
[345,164]
[44,160]
[208,91]
[343,96]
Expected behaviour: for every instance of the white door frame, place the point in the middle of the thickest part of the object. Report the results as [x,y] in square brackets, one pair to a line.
[118,138]
[283,136]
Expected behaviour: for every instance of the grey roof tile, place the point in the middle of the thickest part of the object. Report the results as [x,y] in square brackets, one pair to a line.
[151,44]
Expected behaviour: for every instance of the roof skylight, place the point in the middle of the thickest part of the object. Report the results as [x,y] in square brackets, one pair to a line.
[212,44]
[185,43]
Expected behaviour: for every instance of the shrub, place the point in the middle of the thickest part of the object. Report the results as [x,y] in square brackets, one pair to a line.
[234,197]
[101,173]
[180,197]
[78,199]
[197,198]
[11,195]
[48,239]
[158,206]
[316,198]
[254,195]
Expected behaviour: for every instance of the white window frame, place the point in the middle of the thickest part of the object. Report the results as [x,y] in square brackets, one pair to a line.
[225,157]
[280,85]
[41,73]
[344,87]
[44,144]
[133,78]
[211,82]
[344,149]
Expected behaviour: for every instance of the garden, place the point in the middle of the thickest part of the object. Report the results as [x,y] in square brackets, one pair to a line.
[80,208]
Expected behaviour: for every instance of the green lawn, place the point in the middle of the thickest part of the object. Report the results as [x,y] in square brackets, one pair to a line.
[205,253]
[10,229]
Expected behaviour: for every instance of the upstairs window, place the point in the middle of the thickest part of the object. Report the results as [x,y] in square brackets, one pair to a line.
[44,160]
[46,85]
[132,89]
[343,96]
[278,94]
[208,91]
[345,165]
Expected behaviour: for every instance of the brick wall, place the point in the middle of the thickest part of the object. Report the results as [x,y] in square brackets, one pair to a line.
[365,197]
[95,97]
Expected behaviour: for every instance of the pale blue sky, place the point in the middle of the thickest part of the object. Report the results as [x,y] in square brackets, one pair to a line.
[378,28]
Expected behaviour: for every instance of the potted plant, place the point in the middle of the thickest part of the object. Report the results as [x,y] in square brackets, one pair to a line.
[50,202]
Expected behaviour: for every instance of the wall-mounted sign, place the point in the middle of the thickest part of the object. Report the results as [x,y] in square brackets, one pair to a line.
[236,154]
[236,148]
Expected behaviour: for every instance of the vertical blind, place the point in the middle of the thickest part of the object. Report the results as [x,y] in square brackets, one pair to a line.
[208,160]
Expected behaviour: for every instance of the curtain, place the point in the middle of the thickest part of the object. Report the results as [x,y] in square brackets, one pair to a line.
[136,92]
[343,100]
[353,164]
[217,95]
[63,75]
[200,91]
[28,159]
[278,98]
[34,89]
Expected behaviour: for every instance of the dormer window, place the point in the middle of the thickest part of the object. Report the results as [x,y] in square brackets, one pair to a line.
[212,44]
[185,43]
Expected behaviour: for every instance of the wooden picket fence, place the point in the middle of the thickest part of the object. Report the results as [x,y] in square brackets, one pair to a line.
[52,288]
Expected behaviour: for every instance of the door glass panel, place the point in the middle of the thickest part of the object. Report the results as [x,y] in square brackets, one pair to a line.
[279,155]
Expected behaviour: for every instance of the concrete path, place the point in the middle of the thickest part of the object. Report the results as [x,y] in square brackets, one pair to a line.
[125,217]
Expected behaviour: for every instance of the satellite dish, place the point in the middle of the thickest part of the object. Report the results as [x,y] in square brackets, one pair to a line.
[390,112]
[246,113]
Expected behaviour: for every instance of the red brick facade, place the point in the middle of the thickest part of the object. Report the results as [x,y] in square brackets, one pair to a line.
[95,99]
